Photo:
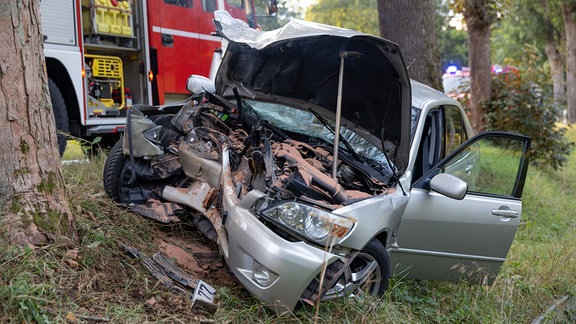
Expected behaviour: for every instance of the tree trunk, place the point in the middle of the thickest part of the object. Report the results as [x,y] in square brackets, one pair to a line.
[569,13]
[412,25]
[554,43]
[33,208]
[478,21]
[556,61]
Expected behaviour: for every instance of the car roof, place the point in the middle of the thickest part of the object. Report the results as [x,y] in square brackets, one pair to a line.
[424,97]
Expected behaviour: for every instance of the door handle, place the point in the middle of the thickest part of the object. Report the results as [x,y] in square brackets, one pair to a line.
[508,213]
[167,40]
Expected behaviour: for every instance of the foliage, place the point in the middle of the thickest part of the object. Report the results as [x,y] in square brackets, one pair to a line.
[523,103]
[452,42]
[358,15]
[482,11]
[523,22]
[271,21]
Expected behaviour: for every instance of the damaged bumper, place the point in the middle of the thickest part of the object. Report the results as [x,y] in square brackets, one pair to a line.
[275,270]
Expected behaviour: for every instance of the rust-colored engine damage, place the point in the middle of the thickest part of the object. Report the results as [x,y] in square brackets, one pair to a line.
[262,158]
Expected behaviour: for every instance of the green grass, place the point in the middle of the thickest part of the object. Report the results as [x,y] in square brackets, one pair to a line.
[52,283]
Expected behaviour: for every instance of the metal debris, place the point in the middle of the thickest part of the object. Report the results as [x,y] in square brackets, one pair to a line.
[174,278]
[164,212]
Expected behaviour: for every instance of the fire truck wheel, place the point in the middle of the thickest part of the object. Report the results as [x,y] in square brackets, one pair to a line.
[113,170]
[60,115]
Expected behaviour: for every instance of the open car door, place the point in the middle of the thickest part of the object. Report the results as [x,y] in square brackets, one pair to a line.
[443,238]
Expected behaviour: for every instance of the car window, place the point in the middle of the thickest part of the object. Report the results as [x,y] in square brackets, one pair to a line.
[415,116]
[454,131]
[443,132]
[490,166]
[430,149]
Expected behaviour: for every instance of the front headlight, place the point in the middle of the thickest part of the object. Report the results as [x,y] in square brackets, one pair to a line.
[313,223]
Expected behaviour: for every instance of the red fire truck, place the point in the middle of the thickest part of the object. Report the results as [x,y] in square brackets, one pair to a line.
[104,55]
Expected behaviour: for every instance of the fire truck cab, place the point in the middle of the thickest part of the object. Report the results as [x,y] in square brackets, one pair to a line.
[102,56]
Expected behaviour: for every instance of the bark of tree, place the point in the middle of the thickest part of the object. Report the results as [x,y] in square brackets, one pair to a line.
[478,20]
[556,60]
[33,208]
[569,14]
[412,25]
[554,54]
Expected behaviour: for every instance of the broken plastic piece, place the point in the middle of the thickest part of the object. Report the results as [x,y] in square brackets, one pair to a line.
[162,212]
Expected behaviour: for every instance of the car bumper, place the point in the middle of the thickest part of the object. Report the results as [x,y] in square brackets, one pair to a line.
[253,247]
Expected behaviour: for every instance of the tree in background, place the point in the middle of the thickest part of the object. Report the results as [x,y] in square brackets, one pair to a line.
[555,41]
[33,207]
[569,15]
[412,25]
[271,21]
[519,105]
[539,25]
[452,40]
[479,16]
[549,25]
[358,15]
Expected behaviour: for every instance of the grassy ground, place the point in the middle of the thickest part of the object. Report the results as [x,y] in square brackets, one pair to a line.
[93,280]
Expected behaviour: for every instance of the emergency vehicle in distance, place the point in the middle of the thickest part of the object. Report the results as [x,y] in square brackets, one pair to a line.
[102,56]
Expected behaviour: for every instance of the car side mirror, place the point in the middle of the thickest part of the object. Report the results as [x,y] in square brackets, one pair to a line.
[198,84]
[449,185]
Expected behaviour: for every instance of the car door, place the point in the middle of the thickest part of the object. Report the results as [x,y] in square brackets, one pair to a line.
[447,239]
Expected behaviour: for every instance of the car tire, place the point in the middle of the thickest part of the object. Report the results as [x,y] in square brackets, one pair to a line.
[373,260]
[60,115]
[113,171]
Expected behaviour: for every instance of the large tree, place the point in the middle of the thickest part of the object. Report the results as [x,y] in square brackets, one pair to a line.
[569,15]
[33,208]
[412,25]
[554,52]
[479,16]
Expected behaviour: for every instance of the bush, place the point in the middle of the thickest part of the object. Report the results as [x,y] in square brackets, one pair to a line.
[522,103]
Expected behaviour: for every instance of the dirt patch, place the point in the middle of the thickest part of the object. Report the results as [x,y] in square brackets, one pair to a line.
[101,277]
[198,258]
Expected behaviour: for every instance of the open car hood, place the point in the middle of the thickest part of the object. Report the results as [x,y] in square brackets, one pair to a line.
[299,65]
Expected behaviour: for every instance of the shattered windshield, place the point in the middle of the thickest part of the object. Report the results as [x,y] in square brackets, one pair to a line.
[306,123]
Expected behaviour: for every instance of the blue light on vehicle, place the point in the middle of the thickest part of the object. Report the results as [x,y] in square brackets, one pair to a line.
[452,69]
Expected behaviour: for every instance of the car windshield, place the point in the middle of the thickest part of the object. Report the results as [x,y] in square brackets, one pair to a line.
[414,122]
[306,123]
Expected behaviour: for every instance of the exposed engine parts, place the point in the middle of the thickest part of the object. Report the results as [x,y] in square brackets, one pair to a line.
[262,158]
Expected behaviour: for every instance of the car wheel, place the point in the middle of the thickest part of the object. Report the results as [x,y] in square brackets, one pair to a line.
[113,171]
[367,274]
[60,115]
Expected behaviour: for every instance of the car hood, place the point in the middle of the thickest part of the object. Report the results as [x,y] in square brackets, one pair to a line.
[299,64]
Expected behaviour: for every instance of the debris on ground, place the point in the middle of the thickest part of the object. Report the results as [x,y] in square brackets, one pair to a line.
[176,280]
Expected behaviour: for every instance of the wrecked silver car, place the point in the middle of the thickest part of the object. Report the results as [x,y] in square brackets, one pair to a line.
[320,169]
